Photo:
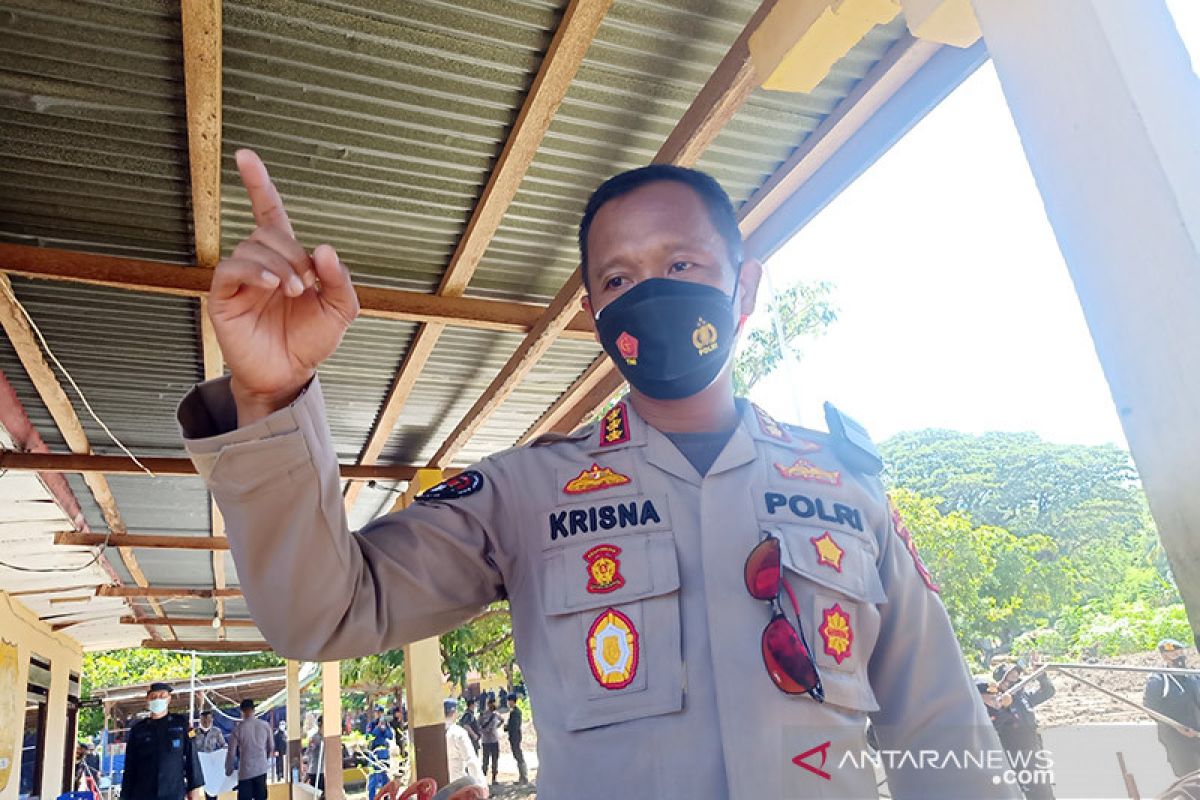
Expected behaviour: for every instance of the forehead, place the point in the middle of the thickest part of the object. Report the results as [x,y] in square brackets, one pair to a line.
[654,211]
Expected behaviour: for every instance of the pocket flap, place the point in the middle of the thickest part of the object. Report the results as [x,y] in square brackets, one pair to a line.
[610,571]
[833,559]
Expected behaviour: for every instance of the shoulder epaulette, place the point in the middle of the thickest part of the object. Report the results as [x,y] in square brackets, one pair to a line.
[852,442]
[554,438]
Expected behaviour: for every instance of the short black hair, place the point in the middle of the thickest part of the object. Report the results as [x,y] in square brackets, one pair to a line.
[246,705]
[720,208]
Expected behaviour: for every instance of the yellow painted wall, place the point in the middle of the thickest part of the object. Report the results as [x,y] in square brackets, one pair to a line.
[20,626]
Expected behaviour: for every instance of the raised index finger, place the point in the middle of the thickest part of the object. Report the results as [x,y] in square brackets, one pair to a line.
[264,197]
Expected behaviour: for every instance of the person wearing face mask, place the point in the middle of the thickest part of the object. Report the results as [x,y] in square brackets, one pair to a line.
[208,739]
[1177,696]
[684,547]
[160,755]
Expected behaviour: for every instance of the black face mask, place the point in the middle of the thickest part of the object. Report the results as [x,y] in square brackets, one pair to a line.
[669,338]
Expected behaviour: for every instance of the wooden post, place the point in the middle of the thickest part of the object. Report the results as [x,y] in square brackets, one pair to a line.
[423,678]
[331,708]
[294,726]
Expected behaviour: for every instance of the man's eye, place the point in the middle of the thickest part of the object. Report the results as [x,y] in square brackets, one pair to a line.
[680,266]
[614,282]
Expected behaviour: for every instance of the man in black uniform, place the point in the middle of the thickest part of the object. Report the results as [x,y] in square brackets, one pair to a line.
[1177,697]
[160,762]
[1017,725]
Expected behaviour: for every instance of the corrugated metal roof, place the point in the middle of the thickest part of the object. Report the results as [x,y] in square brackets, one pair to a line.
[93,136]
[380,127]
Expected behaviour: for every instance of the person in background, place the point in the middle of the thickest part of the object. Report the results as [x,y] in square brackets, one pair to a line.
[379,740]
[1017,724]
[513,728]
[489,738]
[160,761]
[460,756]
[1178,697]
[281,748]
[209,739]
[471,725]
[250,747]
[314,757]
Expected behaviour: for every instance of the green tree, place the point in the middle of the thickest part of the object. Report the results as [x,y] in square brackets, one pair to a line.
[803,312]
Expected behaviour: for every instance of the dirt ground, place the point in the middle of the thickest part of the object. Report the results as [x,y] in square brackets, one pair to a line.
[1075,703]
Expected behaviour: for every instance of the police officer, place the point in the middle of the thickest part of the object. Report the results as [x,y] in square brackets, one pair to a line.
[1016,723]
[687,547]
[1178,697]
[160,761]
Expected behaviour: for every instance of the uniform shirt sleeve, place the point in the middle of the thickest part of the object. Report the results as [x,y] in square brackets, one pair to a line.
[317,591]
[133,762]
[234,744]
[193,773]
[1045,690]
[927,698]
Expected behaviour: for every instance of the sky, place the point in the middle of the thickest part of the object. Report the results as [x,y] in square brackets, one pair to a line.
[955,307]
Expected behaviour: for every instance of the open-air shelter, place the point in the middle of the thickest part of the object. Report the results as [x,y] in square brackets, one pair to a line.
[446,149]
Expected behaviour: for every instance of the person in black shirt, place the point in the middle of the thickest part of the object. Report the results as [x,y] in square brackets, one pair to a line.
[160,762]
[1177,697]
[513,728]
[1017,725]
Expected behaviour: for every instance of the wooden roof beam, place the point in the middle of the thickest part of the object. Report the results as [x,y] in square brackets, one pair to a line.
[565,54]
[192,622]
[165,592]
[206,646]
[175,467]
[155,277]
[217,544]
[722,95]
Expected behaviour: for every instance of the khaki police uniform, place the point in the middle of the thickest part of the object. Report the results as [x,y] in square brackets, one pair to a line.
[637,637]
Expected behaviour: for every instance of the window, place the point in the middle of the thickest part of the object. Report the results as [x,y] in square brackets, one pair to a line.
[69,746]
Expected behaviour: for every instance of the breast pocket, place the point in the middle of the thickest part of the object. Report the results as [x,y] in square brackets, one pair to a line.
[837,585]
[612,618]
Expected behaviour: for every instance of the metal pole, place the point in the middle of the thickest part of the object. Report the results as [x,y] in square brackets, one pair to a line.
[192,695]
[1157,717]
[1124,668]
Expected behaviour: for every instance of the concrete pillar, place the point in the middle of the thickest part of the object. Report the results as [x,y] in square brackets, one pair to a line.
[331,708]
[294,725]
[1108,110]
[423,679]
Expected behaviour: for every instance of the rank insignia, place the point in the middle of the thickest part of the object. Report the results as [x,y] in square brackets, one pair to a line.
[461,485]
[836,632]
[909,545]
[594,479]
[612,647]
[829,552]
[704,338]
[769,426]
[805,470]
[604,569]
[627,346]
[614,427]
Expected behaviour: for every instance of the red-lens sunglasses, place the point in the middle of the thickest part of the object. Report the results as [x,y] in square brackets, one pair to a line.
[785,653]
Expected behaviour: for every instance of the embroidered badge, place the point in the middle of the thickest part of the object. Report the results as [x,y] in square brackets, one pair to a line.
[614,428]
[604,569]
[903,532]
[704,338]
[829,552]
[594,479]
[627,346]
[804,470]
[769,426]
[612,644]
[836,632]
[461,485]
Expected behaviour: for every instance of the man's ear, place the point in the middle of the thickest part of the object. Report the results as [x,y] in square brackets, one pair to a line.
[748,280]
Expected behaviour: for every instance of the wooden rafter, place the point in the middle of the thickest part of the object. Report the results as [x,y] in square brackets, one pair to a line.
[155,277]
[24,341]
[214,367]
[217,544]
[194,622]
[165,592]
[726,90]
[202,87]
[558,68]
[175,467]
[206,646]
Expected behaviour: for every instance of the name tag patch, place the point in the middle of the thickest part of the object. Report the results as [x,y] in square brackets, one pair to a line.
[807,507]
[607,517]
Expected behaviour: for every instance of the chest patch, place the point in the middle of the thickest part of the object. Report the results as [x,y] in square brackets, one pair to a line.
[607,517]
[829,552]
[612,649]
[594,479]
[604,569]
[804,470]
[836,632]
